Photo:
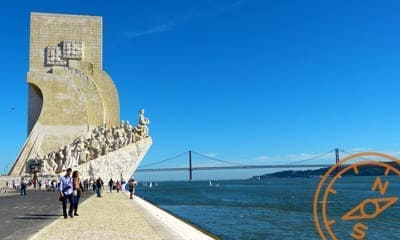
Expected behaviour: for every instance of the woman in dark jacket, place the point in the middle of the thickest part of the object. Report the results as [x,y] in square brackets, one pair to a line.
[77,192]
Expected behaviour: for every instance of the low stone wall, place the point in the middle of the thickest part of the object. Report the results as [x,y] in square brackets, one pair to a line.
[3,180]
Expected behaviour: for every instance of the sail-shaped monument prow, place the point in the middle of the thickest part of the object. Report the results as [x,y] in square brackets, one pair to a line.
[70,97]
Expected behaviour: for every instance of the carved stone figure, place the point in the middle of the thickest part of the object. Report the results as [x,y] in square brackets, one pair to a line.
[94,147]
[68,156]
[52,161]
[142,128]
[109,137]
[81,153]
[49,166]
[129,136]
[74,157]
[59,158]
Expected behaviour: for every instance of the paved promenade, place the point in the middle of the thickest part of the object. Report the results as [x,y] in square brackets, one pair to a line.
[115,216]
[22,217]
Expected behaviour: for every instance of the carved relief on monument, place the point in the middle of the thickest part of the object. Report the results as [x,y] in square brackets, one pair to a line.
[73,49]
[102,140]
[67,49]
[54,57]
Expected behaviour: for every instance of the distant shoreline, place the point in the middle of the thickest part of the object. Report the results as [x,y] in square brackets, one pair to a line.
[366,170]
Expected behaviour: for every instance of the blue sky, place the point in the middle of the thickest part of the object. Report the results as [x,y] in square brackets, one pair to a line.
[255,82]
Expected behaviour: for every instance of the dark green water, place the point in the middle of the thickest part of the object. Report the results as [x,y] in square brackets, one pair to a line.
[276,208]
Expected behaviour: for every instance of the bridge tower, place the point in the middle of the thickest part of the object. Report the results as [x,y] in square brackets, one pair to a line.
[337,155]
[190,166]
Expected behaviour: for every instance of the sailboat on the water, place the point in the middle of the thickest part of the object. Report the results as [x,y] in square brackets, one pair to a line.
[212,185]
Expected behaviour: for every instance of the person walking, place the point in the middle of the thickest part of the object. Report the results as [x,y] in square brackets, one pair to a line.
[99,186]
[111,184]
[23,184]
[123,185]
[66,189]
[77,191]
[118,185]
[54,185]
[132,184]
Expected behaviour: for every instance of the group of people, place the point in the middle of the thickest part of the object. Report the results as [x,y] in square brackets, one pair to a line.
[114,185]
[117,186]
[23,185]
[71,189]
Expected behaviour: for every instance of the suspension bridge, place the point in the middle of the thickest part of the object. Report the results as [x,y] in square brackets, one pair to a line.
[234,165]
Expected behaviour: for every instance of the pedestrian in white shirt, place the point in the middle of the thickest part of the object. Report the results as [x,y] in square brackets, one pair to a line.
[66,189]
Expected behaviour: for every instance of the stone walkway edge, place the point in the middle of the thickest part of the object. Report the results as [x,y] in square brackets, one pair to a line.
[115,216]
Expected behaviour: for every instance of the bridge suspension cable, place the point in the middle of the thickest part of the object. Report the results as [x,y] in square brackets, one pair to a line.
[219,160]
[241,164]
[350,153]
[313,158]
[165,160]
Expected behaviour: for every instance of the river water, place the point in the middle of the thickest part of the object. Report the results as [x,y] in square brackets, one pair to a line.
[279,208]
